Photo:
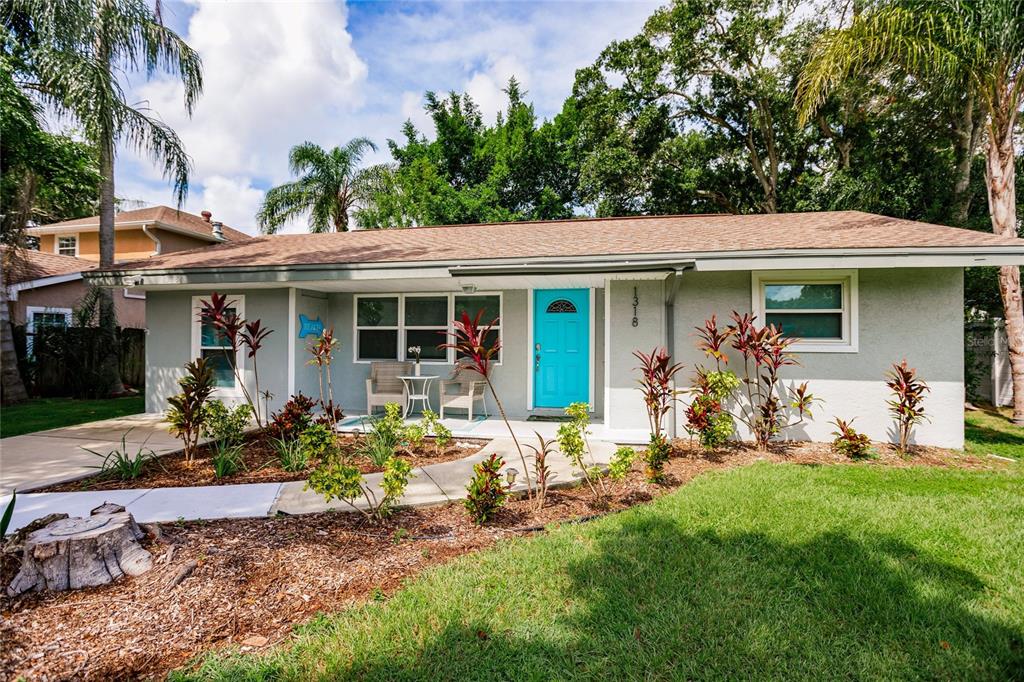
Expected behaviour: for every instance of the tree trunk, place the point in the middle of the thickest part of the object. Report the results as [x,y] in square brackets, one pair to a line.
[1002,203]
[82,552]
[110,368]
[966,127]
[12,389]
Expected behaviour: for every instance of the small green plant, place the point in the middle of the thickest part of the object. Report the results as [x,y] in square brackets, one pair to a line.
[541,468]
[441,433]
[414,435]
[187,412]
[622,463]
[486,492]
[706,416]
[385,436]
[849,442]
[318,441]
[906,406]
[574,444]
[5,520]
[226,458]
[290,454]
[337,479]
[655,456]
[224,423]
[119,464]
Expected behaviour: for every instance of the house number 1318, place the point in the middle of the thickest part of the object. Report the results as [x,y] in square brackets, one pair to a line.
[636,303]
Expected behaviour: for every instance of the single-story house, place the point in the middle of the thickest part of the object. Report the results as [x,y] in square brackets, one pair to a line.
[576,298]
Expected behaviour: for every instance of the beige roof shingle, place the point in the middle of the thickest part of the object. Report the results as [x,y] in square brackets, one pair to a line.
[164,214]
[26,264]
[654,235]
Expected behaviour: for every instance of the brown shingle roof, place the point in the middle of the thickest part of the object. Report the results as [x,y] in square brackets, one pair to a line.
[25,265]
[163,214]
[652,235]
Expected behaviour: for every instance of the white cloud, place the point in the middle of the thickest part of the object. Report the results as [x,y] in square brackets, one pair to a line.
[279,73]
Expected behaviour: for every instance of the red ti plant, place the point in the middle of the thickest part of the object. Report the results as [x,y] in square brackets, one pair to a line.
[657,373]
[906,405]
[219,313]
[765,352]
[478,345]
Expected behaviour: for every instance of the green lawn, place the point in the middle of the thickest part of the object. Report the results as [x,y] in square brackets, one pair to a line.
[51,413]
[990,432]
[769,571]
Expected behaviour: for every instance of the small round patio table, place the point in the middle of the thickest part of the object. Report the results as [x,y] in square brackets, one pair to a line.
[417,389]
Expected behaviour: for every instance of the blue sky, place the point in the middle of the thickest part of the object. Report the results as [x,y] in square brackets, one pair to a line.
[279,73]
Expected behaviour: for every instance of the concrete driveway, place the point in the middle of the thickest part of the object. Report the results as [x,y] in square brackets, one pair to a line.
[44,458]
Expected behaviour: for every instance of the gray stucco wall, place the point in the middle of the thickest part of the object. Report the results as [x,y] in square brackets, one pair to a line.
[915,314]
[510,377]
[626,408]
[169,316]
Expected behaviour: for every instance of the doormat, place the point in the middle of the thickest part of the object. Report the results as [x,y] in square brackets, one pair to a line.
[547,418]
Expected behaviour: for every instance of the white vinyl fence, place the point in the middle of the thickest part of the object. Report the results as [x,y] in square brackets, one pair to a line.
[988,363]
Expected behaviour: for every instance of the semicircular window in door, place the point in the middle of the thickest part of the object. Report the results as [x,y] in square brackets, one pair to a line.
[561,306]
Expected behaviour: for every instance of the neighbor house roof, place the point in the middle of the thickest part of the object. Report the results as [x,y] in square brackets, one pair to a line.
[841,231]
[27,265]
[158,216]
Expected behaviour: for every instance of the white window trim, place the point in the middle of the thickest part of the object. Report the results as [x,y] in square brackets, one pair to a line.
[238,302]
[129,293]
[30,320]
[849,343]
[401,327]
[58,237]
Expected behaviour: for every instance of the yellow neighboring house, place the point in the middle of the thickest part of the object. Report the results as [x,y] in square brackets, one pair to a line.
[45,286]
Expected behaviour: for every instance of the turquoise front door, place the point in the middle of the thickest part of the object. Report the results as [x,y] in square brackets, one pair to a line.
[561,347]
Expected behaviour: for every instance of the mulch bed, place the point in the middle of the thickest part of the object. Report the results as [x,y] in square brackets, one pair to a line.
[259,465]
[254,579]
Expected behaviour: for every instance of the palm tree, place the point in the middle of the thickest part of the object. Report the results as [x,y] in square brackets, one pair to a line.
[977,45]
[79,51]
[330,185]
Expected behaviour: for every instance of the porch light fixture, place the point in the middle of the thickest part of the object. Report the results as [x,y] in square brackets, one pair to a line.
[510,476]
[469,288]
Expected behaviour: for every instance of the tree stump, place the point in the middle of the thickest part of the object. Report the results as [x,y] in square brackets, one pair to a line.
[82,552]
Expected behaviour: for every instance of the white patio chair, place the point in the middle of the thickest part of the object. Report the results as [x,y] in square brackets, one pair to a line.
[462,390]
[384,386]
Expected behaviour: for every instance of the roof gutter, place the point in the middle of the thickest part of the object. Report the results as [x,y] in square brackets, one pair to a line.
[568,267]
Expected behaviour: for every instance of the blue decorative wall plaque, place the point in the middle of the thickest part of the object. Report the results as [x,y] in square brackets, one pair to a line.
[309,327]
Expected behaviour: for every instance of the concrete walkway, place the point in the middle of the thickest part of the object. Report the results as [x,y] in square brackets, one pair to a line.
[432,484]
[44,458]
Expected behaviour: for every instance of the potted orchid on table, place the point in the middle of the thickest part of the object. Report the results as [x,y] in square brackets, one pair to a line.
[415,352]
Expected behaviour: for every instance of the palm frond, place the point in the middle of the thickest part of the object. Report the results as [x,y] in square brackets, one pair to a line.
[282,203]
[156,139]
[927,44]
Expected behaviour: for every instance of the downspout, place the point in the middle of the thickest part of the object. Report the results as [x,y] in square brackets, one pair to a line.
[156,240]
[672,281]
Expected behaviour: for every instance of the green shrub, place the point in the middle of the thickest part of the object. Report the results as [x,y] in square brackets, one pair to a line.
[486,492]
[849,442]
[340,480]
[295,417]
[119,464]
[290,454]
[385,436]
[414,435]
[573,442]
[226,458]
[433,426]
[622,463]
[318,441]
[705,416]
[655,456]
[224,423]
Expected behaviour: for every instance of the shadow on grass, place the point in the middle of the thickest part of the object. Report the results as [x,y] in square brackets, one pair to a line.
[984,435]
[651,600]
